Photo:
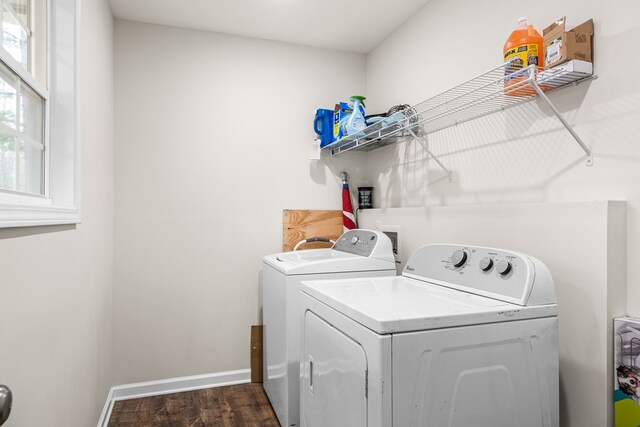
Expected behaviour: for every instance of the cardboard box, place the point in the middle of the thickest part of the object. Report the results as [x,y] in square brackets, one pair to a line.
[256,353]
[561,45]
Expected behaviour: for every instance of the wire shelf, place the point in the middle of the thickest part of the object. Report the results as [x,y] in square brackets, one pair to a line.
[503,87]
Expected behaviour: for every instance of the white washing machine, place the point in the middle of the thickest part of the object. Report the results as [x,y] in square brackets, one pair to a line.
[467,336]
[357,253]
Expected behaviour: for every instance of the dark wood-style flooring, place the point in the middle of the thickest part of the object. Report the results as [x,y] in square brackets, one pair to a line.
[230,406]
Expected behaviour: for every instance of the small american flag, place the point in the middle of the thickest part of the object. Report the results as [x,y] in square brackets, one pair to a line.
[348,219]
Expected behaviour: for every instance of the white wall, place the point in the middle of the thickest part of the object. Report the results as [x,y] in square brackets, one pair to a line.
[56,283]
[212,137]
[447,43]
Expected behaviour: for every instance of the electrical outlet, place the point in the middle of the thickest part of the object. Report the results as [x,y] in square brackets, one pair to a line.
[393,232]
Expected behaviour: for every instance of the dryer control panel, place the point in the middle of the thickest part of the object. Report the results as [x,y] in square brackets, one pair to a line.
[496,273]
[367,243]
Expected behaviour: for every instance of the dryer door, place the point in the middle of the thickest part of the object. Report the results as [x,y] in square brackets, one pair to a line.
[334,377]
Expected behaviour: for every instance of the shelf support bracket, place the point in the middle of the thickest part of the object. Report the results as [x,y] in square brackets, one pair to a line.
[423,141]
[567,126]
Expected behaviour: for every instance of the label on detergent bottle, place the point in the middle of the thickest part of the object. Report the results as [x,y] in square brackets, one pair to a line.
[523,56]
[341,114]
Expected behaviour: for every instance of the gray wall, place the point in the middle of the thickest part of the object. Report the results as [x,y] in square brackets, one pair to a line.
[57,282]
[212,138]
[522,156]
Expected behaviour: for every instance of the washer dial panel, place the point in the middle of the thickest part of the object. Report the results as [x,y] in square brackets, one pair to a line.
[358,242]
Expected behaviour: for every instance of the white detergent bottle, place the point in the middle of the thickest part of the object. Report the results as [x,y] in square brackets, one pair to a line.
[356,121]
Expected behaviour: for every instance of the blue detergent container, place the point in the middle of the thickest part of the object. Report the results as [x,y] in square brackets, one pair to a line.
[323,126]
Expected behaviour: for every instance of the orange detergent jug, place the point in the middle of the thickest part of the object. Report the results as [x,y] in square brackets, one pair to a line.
[523,48]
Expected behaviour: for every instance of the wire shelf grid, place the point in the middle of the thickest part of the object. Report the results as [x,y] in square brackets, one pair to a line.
[501,88]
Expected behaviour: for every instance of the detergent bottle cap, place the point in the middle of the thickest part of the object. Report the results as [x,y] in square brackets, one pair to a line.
[523,22]
[359,98]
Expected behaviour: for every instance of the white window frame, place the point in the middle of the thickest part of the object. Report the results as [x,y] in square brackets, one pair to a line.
[60,203]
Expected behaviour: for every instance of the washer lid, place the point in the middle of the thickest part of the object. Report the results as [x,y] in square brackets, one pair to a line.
[315,261]
[401,304]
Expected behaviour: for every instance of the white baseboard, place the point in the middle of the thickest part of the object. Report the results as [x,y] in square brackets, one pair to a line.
[106,410]
[170,385]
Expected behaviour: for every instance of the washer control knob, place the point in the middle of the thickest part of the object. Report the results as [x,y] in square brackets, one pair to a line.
[354,240]
[486,263]
[459,258]
[503,267]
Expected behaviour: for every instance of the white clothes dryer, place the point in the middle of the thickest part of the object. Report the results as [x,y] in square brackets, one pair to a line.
[357,253]
[467,336]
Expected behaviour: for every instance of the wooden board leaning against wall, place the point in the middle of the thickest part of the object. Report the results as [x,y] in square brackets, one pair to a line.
[303,224]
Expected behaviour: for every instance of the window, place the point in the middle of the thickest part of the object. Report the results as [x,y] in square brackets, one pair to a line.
[21,104]
[16,31]
[38,112]
[21,135]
